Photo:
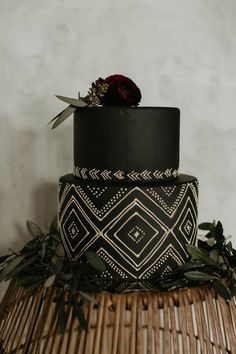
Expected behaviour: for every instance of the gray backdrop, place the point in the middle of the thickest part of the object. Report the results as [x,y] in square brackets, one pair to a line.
[180,53]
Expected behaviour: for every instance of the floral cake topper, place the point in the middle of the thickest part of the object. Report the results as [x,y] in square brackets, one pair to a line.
[115,90]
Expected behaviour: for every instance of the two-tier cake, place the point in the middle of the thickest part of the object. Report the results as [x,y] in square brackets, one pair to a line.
[126,199]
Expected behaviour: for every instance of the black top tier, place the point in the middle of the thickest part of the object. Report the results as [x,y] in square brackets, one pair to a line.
[126,143]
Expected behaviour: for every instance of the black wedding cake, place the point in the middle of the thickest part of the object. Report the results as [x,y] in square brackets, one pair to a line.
[126,199]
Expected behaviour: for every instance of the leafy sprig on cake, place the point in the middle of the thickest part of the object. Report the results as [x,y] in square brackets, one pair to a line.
[115,90]
[42,262]
[213,262]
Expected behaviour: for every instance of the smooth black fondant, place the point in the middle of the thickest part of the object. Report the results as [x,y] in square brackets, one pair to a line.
[127,138]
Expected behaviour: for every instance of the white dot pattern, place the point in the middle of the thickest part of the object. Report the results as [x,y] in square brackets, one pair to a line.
[97,191]
[107,206]
[108,261]
[136,234]
[169,190]
[162,203]
[160,263]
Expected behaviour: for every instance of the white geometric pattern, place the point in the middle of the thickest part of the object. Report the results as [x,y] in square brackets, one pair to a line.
[105,175]
[73,214]
[163,202]
[169,190]
[73,230]
[113,235]
[188,227]
[169,252]
[97,191]
[139,231]
[101,212]
[136,234]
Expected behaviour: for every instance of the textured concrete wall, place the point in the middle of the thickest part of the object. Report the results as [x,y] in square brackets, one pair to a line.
[180,53]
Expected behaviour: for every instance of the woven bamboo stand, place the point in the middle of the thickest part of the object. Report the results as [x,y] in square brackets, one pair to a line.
[188,321]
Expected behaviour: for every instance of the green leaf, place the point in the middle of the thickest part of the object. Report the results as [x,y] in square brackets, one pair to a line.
[95,261]
[199,276]
[59,266]
[200,255]
[6,261]
[76,102]
[66,276]
[221,260]
[54,224]
[178,283]
[62,317]
[54,260]
[234,275]
[60,252]
[78,313]
[34,229]
[50,281]
[188,266]
[219,232]
[205,226]
[21,266]
[10,266]
[62,116]
[76,280]
[229,246]
[221,288]
[32,281]
[214,254]
[4,258]
[55,237]
[43,250]
[212,230]
[211,241]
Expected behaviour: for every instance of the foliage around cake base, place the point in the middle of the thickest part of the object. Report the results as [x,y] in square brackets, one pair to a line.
[42,262]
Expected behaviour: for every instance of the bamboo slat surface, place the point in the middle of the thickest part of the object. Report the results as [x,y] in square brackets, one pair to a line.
[186,321]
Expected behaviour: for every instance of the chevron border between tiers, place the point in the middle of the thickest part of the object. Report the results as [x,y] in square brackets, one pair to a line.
[96,174]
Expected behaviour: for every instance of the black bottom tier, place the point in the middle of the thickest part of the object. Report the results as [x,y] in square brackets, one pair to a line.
[140,231]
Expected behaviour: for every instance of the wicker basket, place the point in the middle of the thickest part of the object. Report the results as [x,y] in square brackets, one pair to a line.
[195,321]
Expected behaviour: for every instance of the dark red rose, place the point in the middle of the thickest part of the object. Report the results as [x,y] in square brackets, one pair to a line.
[99,81]
[122,91]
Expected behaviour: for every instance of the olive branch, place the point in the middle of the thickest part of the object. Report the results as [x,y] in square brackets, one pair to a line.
[43,262]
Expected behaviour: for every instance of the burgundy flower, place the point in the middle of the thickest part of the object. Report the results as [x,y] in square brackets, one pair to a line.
[99,81]
[122,91]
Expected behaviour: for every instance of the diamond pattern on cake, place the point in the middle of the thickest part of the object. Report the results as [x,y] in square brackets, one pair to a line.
[75,223]
[167,199]
[186,222]
[135,228]
[73,229]
[106,201]
[188,226]
[136,234]
[136,217]
[139,231]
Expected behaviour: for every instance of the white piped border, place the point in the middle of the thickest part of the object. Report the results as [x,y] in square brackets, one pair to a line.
[106,175]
